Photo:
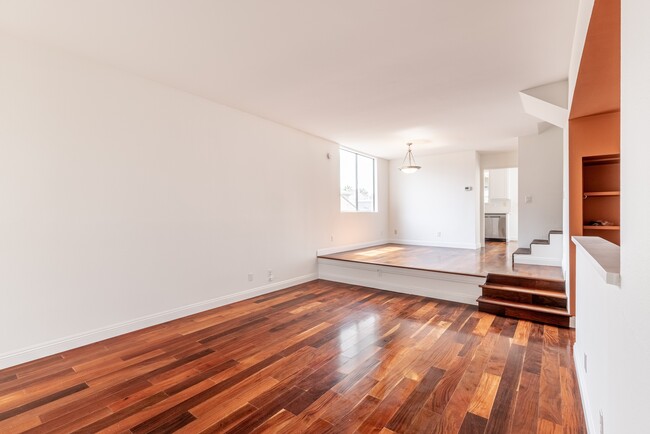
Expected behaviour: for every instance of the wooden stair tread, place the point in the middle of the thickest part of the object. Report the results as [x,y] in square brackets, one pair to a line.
[546,242]
[494,276]
[533,291]
[554,232]
[522,251]
[524,306]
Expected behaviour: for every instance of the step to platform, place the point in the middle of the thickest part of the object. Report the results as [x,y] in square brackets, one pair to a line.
[543,314]
[538,297]
[531,291]
[511,280]
[533,299]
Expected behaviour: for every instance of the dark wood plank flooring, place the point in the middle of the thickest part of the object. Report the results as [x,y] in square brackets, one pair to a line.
[318,357]
[495,257]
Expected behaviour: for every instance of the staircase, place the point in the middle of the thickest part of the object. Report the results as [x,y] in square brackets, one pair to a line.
[529,298]
[541,252]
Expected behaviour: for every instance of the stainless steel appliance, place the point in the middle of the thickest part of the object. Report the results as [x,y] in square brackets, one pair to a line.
[495,226]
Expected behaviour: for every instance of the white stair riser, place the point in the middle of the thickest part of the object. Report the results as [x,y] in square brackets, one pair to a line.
[551,250]
[537,260]
[544,254]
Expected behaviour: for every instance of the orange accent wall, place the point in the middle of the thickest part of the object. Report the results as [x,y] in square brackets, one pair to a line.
[588,136]
[594,121]
[598,87]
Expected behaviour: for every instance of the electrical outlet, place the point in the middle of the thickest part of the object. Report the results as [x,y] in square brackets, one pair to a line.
[438,234]
[331,237]
[395,231]
[270,275]
[585,361]
[250,277]
[528,199]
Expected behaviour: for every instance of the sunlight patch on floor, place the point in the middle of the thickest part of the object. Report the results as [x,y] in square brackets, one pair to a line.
[381,251]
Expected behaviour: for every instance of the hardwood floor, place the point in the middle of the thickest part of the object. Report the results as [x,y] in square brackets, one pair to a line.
[495,257]
[318,357]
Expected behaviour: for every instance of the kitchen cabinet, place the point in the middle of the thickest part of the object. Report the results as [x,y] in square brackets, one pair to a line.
[498,188]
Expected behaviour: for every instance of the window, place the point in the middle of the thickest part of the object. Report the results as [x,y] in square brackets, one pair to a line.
[357,182]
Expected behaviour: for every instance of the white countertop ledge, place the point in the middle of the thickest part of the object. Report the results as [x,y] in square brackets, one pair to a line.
[604,256]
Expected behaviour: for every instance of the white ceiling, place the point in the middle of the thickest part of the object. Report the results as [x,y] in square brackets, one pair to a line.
[368,74]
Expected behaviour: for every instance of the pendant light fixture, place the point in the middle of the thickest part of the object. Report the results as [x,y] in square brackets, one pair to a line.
[409,165]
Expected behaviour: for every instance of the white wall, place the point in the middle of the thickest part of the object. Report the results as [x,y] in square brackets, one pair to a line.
[593,298]
[498,160]
[123,199]
[629,333]
[513,196]
[498,185]
[582,26]
[433,200]
[540,176]
[625,381]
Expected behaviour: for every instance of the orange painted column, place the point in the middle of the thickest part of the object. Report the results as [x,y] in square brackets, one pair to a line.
[588,136]
[594,121]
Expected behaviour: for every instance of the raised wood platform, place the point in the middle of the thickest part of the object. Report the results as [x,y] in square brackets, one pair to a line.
[495,257]
[436,272]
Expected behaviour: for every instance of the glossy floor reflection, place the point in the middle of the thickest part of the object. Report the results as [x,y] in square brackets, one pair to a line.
[318,357]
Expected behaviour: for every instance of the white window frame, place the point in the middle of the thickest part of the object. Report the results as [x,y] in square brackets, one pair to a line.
[356,176]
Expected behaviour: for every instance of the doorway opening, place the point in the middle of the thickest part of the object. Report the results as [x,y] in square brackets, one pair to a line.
[501,204]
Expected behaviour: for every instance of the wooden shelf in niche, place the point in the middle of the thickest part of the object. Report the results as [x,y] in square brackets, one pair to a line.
[601,187]
[601,193]
[600,160]
[601,228]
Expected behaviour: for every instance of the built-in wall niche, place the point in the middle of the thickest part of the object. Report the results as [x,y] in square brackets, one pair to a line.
[601,205]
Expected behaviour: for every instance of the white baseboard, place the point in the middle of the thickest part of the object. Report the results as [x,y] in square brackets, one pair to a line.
[338,249]
[443,286]
[538,260]
[586,407]
[55,346]
[472,246]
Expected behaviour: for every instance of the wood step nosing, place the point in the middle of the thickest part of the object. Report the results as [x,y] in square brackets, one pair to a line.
[523,306]
[541,292]
[509,276]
